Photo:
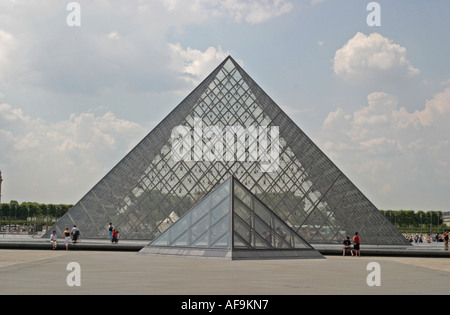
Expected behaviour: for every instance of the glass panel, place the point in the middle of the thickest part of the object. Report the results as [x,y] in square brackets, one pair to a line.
[180,227]
[298,242]
[200,210]
[220,211]
[243,196]
[261,243]
[219,232]
[282,236]
[242,234]
[162,240]
[263,213]
[224,242]
[239,242]
[201,242]
[182,240]
[221,193]
[242,212]
[198,229]
[264,231]
[280,241]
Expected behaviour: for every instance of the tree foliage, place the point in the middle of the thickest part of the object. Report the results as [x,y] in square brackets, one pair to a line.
[410,218]
[14,210]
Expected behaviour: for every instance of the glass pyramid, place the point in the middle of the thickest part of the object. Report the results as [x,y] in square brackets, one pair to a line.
[231,222]
[229,125]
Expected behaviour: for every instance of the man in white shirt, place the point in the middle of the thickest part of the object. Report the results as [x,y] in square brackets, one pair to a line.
[53,239]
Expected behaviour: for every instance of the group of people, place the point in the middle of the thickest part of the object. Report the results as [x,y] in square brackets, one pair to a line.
[73,235]
[419,238]
[355,250]
[113,234]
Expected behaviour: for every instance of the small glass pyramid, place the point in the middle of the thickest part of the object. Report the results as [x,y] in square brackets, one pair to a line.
[231,222]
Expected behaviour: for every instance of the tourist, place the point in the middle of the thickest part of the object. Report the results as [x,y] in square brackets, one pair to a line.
[75,234]
[66,235]
[347,246]
[115,236]
[356,243]
[53,239]
[110,229]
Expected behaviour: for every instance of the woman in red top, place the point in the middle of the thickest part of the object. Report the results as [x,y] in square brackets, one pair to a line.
[115,236]
[356,243]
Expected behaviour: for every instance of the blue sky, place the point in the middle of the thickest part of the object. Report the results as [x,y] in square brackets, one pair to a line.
[75,99]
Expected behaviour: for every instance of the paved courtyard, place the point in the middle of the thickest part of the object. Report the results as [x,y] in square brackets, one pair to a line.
[45,272]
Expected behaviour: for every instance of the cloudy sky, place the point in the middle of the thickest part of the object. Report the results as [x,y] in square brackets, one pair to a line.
[376,99]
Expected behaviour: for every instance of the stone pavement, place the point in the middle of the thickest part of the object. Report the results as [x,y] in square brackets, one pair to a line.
[45,272]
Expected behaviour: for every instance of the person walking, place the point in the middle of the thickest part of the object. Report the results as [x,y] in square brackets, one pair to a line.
[356,244]
[66,235]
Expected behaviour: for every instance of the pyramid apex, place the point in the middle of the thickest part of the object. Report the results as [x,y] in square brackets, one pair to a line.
[229,58]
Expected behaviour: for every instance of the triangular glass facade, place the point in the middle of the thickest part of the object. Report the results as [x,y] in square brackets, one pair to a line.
[207,225]
[229,125]
[232,221]
[255,226]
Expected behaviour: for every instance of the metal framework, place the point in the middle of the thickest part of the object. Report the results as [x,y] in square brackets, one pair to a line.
[151,188]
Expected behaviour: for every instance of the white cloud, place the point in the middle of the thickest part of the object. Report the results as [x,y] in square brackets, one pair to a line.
[114,36]
[6,40]
[7,46]
[392,151]
[195,63]
[67,155]
[125,45]
[434,109]
[249,11]
[372,59]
